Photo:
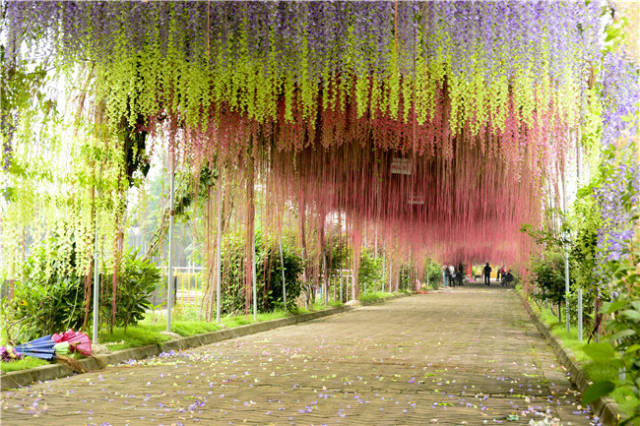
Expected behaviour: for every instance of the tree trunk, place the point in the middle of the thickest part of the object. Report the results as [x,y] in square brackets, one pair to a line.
[303,241]
[87,281]
[322,267]
[248,242]
[210,253]
[355,289]
[356,241]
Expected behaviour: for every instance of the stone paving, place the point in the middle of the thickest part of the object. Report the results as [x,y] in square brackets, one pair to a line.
[461,356]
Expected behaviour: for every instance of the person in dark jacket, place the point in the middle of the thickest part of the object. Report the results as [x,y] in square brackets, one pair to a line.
[508,279]
[460,274]
[487,274]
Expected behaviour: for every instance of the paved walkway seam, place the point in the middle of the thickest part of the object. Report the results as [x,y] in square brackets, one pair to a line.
[605,408]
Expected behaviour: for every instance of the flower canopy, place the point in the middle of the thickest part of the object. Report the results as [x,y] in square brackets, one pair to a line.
[434,119]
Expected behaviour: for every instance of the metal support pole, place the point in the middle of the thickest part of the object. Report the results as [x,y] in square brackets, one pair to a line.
[580,318]
[384,272]
[96,279]
[96,286]
[284,284]
[580,314]
[253,266]
[341,299]
[334,289]
[218,251]
[169,262]
[324,285]
[566,287]
[566,254]
[428,283]
[353,286]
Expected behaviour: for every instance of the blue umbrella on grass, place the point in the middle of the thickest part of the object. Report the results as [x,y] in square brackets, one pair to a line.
[45,348]
[39,348]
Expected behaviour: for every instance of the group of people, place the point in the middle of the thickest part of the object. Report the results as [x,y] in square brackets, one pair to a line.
[504,276]
[452,276]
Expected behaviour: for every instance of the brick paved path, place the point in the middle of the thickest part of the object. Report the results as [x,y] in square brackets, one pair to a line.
[466,356]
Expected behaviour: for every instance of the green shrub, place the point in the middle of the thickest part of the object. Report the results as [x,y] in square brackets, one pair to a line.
[136,281]
[548,274]
[370,273]
[432,273]
[272,286]
[268,276]
[407,274]
[50,299]
[338,253]
[374,296]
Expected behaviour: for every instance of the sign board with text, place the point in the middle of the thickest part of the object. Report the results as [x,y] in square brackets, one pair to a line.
[401,166]
[416,199]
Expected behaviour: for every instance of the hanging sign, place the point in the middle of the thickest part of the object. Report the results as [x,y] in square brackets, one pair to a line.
[416,199]
[401,166]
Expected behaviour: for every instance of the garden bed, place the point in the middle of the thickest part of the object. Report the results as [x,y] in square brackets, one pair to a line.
[22,364]
[569,350]
[372,297]
[150,330]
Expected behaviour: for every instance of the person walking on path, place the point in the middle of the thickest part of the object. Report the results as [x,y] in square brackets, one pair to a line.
[452,275]
[460,274]
[487,275]
[502,272]
[507,279]
[445,278]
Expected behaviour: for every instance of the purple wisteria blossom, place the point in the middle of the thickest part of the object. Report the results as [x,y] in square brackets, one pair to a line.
[618,194]
[487,37]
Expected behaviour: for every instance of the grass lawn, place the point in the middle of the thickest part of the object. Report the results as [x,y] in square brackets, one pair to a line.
[138,335]
[569,340]
[231,321]
[374,296]
[149,331]
[22,364]
[318,306]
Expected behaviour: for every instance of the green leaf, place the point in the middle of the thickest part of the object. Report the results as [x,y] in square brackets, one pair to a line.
[633,348]
[596,391]
[611,307]
[630,420]
[622,334]
[631,314]
[599,351]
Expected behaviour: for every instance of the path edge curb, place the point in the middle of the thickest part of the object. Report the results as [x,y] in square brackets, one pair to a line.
[17,379]
[605,408]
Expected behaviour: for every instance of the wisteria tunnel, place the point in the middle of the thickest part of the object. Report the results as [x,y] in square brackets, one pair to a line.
[177,174]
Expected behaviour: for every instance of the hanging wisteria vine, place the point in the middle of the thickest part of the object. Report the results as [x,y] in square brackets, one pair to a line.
[474,96]
[287,60]
[619,189]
